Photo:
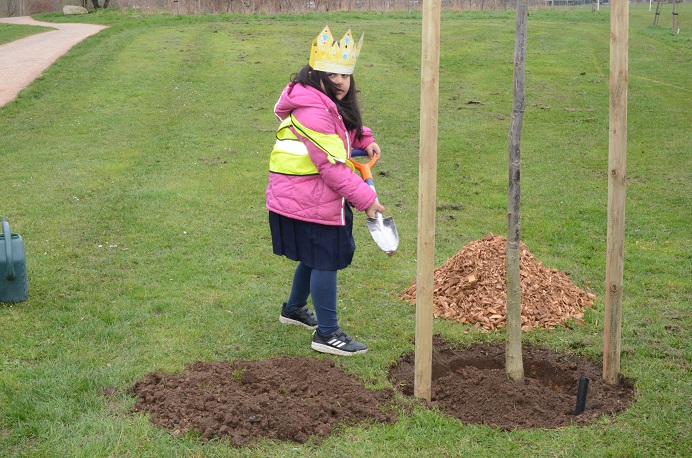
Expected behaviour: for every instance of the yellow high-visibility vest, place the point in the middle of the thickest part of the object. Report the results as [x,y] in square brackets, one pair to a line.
[290,156]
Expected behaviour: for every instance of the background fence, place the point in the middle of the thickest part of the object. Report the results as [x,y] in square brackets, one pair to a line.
[28,7]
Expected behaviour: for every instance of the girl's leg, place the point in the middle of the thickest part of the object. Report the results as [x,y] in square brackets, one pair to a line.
[300,290]
[323,290]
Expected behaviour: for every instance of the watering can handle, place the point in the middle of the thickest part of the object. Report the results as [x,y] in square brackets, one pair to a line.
[8,248]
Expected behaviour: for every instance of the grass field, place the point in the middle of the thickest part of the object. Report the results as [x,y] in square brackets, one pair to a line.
[135,169]
[11,32]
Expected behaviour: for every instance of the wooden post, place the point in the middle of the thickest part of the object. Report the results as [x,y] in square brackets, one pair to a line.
[514,365]
[675,16]
[427,184]
[617,155]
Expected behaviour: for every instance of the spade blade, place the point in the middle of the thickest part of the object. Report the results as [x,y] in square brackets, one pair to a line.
[384,233]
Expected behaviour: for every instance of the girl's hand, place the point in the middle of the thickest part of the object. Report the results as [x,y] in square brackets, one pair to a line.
[375,207]
[373,148]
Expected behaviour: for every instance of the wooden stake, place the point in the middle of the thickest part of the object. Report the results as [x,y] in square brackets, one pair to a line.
[675,16]
[427,184]
[617,155]
[514,365]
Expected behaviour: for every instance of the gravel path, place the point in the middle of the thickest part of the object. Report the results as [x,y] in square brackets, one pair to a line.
[23,60]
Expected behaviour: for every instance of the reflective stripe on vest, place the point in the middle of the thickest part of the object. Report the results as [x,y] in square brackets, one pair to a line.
[290,156]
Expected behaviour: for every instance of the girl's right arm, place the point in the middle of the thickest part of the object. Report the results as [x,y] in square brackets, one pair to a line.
[375,207]
[342,179]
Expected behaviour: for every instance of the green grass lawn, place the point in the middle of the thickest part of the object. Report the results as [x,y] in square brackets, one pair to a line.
[135,169]
[11,32]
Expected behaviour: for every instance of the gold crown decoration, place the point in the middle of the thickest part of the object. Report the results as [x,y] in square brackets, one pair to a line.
[329,55]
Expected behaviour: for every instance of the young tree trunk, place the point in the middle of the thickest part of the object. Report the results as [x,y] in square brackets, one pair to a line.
[513,357]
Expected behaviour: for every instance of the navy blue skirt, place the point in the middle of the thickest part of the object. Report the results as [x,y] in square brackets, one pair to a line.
[317,246]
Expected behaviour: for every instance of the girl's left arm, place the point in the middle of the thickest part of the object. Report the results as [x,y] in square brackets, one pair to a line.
[373,148]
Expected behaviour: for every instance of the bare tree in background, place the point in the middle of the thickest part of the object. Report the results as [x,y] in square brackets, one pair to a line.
[95,3]
[11,8]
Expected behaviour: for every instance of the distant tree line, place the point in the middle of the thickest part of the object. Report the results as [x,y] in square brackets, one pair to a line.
[28,7]
[301,6]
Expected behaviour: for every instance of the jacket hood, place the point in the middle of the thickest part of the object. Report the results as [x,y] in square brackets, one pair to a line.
[296,95]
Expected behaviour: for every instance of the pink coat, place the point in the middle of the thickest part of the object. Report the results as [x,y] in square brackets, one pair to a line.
[318,198]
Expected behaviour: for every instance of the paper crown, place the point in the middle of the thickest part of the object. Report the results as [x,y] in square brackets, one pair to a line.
[332,56]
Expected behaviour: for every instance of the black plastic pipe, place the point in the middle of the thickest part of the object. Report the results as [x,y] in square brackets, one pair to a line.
[582,390]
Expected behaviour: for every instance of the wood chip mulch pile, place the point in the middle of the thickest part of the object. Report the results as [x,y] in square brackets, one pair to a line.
[471,288]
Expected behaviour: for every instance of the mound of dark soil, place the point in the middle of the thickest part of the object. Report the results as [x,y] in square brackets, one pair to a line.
[471,384]
[285,398]
[294,398]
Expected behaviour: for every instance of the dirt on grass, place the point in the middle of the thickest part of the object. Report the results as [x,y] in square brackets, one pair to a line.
[298,398]
[302,398]
[284,398]
[471,384]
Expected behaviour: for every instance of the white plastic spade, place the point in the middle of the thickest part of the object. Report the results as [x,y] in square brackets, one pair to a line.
[383,230]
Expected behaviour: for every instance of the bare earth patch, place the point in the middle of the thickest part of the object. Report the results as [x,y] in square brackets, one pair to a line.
[297,398]
[470,384]
[285,398]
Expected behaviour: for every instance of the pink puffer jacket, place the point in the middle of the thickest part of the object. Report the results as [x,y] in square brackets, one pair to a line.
[318,198]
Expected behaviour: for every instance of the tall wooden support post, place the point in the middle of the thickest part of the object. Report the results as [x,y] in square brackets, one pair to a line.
[514,365]
[427,184]
[617,155]
[675,17]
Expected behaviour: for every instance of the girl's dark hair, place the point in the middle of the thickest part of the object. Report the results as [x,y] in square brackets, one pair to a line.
[348,106]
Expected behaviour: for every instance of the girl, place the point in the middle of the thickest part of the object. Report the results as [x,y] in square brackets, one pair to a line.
[312,186]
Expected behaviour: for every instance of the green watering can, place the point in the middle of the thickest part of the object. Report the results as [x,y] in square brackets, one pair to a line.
[14,285]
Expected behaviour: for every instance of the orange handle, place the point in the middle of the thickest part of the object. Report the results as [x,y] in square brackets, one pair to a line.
[364,169]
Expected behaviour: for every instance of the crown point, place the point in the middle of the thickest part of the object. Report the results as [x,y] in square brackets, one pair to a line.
[334,56]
